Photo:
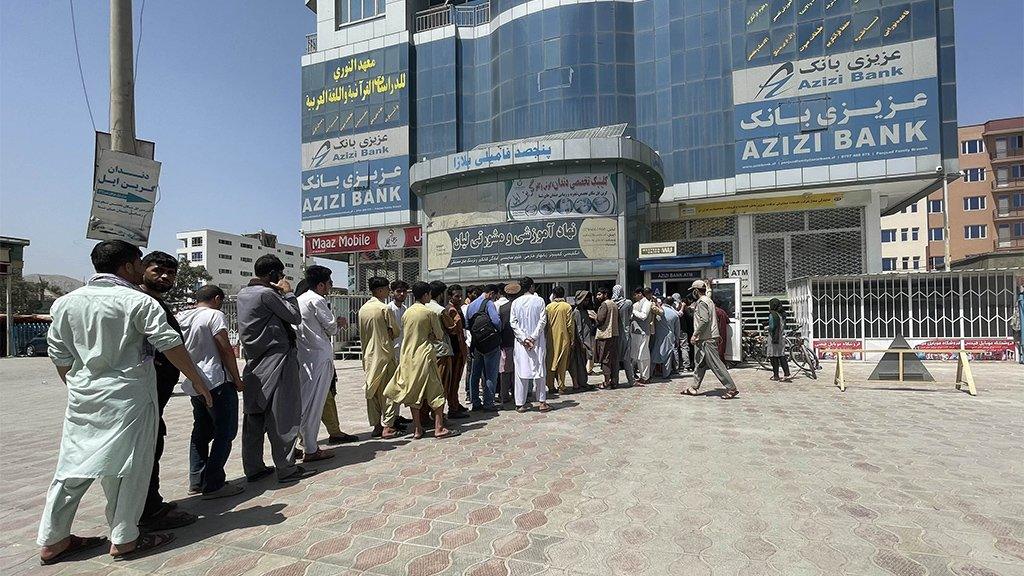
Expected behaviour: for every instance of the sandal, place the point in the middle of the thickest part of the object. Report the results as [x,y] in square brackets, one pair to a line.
[144,544]
[730,394]
[689,392]
[448,434]
[167,518]
[76,544]
[544,408]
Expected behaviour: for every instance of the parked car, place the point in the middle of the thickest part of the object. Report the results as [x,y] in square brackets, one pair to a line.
[35,346]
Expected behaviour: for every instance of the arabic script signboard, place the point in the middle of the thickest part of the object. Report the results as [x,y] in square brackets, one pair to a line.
[569,195]
[124,195]
[359,188]
[869,104]
[517,242]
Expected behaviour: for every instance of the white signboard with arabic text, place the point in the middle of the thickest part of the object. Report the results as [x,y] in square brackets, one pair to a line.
[124,196]
[564,196]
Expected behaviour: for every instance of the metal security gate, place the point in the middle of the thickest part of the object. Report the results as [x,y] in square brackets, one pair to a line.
[393,265]
[796,244]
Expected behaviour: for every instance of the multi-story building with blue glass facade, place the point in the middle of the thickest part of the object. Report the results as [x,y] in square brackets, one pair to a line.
[487,140]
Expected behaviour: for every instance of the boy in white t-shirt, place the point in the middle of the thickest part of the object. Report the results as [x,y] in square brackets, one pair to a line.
[206,338]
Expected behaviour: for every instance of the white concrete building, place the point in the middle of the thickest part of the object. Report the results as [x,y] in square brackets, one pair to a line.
[905,238]
[229,258]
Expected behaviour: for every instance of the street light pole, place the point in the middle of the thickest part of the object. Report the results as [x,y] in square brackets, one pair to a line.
[122,78]
[945,220]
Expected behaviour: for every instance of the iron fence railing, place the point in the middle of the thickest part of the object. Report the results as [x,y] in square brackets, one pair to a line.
[463,15]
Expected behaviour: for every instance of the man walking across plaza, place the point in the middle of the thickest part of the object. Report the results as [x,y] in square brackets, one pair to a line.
[560,330]
[417,381]
[705,340]
[485,329]
[271,400]
[528,319]
[606,347]
[161,272]
[213,429]
[640,329]
[506,364]
[101,341]
[625,306]
[377,331]
[316,358]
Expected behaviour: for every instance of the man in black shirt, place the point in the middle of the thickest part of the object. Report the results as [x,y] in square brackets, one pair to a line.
[159,277]
[506,366]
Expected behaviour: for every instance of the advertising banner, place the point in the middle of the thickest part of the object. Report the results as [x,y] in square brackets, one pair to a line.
[568,196]
[850,107]
[355,94]
[354,148]
[360,188]
[124,196]
[363,241]
[514,242]
[761,205]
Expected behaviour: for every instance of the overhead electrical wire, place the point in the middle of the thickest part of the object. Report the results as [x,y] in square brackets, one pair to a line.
[78,55]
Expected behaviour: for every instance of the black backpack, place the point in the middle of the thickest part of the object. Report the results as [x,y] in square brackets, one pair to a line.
[486,338]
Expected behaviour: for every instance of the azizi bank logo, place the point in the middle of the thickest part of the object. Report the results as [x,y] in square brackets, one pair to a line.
[776,82]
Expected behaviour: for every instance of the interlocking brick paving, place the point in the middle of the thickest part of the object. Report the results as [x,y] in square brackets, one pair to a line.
[787,479]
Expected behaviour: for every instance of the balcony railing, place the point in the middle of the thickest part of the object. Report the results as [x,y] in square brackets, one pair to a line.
[1007,213]
[1011,242]
[1008,154]
[310,43]
[462,15]
[1008,184]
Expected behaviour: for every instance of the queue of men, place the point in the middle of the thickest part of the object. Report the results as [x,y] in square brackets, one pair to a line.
[120,350]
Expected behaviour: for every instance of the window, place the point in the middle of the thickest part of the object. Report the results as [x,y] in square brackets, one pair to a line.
[1018,229]
[972,146]
[974,175]
[937,262]
[974,203]
[224,242]
[224,256]
[917,262]
[975,231]
[889,235]
[197,241]
[912,209]
[197,256]
[245,259]
[888,264]
[915,233]
[909,234]
[1017,171]
[245,274]
[224,271]
[935,234]
[905,262]
[351,11]
[935,206]
[1016,141]
[289,266]
[1018,200]
[289,253]
[244,245]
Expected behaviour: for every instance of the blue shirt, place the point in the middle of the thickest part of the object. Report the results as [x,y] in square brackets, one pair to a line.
[492,311]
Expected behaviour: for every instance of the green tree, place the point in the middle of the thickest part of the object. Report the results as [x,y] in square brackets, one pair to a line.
[31,297]
[190,278]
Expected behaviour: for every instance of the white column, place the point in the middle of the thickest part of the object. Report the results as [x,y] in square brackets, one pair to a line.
[744,253]
[873,236]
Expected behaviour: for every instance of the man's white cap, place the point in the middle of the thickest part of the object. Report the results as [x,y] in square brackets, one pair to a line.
[698,285]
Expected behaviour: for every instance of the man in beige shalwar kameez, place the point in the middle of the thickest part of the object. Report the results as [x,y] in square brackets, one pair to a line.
[560,331]
[417,382]
[377,332]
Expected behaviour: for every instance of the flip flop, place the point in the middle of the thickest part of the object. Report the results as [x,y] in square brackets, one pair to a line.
[544,409]
[689,392]
[77,544]
[143,544]
[449,434]
[730,394]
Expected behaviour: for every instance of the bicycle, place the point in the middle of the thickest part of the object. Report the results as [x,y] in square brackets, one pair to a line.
[802,355]
[753,345]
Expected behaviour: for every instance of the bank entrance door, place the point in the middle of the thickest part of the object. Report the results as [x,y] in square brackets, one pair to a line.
[790,245]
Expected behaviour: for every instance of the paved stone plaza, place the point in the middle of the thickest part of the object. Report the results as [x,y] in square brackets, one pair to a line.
[787,479]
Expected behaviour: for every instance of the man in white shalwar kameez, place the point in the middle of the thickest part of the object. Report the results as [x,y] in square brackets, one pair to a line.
[102,341]
[316,358]
[528,318]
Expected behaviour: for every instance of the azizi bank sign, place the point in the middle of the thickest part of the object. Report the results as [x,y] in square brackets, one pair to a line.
[856,106]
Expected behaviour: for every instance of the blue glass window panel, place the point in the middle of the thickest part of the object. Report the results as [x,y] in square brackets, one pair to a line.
[809,9]
[605,47]
[626,77]
[810,45]
[691,8]
[844,41]
[605,78]
[645,46]
[901,32]
[694,64]
[588,111]
[867,28]
[783,12]
[552,53]
[551,23]
[710,31]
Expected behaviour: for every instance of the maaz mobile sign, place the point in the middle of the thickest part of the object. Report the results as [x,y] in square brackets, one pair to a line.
[856,106]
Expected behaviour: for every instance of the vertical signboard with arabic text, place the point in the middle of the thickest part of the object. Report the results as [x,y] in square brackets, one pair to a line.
[355,134]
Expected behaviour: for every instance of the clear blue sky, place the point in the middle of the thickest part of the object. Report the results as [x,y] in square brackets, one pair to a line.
[218,91]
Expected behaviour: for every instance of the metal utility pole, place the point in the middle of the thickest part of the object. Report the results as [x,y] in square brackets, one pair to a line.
[122,78]
[945,220]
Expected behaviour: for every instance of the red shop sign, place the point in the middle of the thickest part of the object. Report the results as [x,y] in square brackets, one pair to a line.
[363,241]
